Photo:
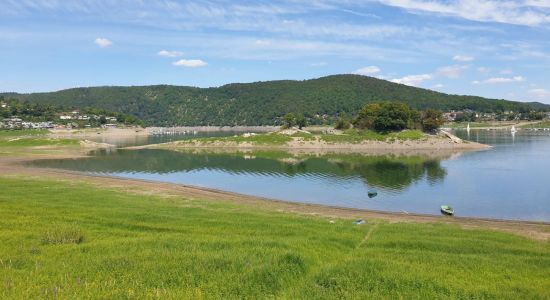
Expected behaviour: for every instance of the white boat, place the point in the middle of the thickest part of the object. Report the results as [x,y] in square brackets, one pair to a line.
[468,127]
[513,130]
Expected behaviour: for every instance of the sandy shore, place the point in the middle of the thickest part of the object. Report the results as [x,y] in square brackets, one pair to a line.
[17,166]
[94,132]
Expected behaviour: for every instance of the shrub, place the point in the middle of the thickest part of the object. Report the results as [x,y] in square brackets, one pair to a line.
[342,123]
[432,119]
[289,120]
[383,117]
[301,121]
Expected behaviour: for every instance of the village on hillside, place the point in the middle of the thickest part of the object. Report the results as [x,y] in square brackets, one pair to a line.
[59,120]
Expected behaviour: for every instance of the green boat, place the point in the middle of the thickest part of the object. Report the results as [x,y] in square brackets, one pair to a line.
[372,193]
[447,210]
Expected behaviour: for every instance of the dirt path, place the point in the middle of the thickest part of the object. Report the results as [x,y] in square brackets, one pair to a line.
[15,166]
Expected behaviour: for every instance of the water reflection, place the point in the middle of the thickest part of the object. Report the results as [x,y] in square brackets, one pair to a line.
[509,181]
[388,172]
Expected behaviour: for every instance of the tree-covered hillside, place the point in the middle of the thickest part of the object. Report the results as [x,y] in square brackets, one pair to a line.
[263,103]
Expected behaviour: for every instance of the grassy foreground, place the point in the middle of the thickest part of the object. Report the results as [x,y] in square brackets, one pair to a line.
[68,239]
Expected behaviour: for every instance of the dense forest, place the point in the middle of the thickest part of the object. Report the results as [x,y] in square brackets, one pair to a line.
[263,103]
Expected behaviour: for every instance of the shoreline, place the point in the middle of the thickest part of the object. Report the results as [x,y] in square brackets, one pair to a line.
[444,141]
[16,166]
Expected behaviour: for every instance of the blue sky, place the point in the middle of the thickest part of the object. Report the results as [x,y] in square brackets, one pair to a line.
[498,49]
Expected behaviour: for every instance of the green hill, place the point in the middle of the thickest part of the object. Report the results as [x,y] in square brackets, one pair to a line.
[262,103]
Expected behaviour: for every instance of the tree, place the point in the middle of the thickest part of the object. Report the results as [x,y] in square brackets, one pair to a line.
[432,119]
[343,122]
[386,117]
[289,120]
[301,121]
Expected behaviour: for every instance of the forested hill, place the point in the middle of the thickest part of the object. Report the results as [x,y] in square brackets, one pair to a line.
[262,103]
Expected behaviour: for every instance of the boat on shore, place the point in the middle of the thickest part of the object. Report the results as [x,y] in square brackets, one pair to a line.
[447,210]
[372,193]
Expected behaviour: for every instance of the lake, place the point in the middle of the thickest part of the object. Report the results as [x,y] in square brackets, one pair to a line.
[509,181]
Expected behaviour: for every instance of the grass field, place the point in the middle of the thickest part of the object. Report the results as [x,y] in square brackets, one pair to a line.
[349,136]
[358,136]
[30,138]
[21,133]
[491,124]
[67,239]
[544,124]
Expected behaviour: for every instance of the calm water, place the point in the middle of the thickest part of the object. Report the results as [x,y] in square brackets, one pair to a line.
[126,141]
[510,181]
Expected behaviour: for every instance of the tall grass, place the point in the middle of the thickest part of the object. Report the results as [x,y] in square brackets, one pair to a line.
[63,234]
[143,246]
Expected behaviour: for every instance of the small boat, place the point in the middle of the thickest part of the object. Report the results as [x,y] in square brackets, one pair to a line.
[513,130]
[447,210]
[372,193]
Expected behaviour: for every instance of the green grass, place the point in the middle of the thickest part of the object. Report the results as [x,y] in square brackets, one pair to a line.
[26,132]
[358,136]
[260,139]
[63,234]
[35,142]
[543,124]
[479,124]
[144,246]
[31,138]
[349,136]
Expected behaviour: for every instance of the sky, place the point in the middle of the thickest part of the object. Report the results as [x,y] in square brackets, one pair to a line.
[491,48]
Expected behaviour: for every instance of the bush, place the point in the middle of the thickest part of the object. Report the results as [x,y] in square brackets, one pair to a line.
[289,120]
[383,117]
[342,123]
[301,121]
[432,119]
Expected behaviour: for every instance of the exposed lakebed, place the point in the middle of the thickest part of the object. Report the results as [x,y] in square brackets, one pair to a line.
[509,181]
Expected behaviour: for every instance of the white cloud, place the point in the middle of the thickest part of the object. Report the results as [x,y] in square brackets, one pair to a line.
[453,71]
[166,53]
[190,63]
[263,43]
[438,86]
[495,80]
[413,80]
[540,93]
[319,64]
[463,58]
[367,70]
[103,42]
[529,13]
[483,70]
[506,72]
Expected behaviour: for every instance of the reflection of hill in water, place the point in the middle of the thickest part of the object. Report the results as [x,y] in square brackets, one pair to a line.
[385,172]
